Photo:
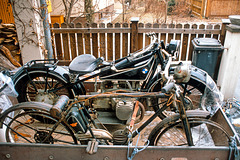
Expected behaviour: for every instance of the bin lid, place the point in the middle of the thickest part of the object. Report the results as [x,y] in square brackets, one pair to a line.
[207,43]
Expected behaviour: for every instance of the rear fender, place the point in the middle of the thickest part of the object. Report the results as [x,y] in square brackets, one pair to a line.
[58,71]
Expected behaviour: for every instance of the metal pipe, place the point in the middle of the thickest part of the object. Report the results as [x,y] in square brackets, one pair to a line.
[130,95]
[46,27]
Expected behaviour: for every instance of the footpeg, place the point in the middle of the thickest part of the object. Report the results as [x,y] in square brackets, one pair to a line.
[92,147]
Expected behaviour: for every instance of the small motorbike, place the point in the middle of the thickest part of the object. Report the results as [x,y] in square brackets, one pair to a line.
[70,121]
[147,70]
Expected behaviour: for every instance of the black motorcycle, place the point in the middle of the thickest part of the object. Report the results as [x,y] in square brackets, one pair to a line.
[146,70]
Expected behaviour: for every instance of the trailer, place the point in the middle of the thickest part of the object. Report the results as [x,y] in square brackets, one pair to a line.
[110,152]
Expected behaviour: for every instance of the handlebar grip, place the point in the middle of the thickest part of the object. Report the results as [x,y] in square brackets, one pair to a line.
[168,87]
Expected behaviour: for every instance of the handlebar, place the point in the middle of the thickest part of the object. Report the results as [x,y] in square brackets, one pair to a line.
[168,87]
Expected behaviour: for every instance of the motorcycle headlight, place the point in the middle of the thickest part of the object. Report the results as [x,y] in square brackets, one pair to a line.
[182,73]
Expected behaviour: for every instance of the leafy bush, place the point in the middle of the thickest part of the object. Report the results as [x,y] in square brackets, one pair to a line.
[171,5]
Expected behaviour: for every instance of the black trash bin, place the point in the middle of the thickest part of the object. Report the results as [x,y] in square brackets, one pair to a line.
[206,52]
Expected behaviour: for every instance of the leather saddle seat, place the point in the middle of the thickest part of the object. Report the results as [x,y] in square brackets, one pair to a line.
[83,64]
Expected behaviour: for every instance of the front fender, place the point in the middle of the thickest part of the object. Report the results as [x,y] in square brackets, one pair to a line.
[201,76]
[199,79]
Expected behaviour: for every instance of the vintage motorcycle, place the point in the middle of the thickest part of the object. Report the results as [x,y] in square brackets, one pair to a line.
[146,70]
[70,121]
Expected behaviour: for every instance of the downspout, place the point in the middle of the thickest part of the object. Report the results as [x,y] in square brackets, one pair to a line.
[205,8]
[46,27]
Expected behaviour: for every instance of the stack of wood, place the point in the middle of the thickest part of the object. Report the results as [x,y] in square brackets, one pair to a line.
[9,45]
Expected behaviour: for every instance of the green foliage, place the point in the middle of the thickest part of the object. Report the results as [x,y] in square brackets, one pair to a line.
[171,5]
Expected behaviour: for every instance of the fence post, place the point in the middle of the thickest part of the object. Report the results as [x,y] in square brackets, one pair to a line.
[229,73]
[134,32]
[225,22]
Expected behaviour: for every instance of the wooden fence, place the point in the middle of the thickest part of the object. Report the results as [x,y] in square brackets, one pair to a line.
[113,41]
[214,8]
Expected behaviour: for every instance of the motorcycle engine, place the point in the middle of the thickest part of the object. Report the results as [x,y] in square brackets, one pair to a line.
[122,108]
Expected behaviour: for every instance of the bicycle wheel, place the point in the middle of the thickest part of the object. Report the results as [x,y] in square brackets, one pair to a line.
[36,86]
[24,128]
[170,132]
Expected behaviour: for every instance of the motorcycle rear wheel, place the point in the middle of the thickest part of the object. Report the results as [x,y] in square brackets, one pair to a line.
[36,86]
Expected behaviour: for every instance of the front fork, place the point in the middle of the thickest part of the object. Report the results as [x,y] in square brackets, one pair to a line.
[183,117]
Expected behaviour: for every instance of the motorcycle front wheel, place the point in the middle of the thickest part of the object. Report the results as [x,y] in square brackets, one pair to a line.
[193,92]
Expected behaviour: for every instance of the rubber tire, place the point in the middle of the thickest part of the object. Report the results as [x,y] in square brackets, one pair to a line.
[34,113]
[23,81]
[174,120]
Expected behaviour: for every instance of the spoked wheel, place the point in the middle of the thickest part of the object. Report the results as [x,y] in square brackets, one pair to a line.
[204,132]
[24,128]
[37,86]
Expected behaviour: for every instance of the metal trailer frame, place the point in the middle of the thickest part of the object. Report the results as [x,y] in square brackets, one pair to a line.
[60,152]
[104,152]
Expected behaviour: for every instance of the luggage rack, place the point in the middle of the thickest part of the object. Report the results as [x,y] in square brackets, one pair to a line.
[47,63]
[107,152]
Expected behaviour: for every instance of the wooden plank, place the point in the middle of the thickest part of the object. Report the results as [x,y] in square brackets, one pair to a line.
[125,41]
[170,35]
[79,40]
[65,43]
[102,42]
[117,42]
[203,8]
[87,40]
[73,43]
[185,43]
[92,30]
[179,37]
[224,8]
[58,43]
[201,26]
[176,30]
[110,43]
[209,26]
[127,30]
[134,36]
[94,41]
[194,26]
[147,39]
[140,36]
[216,27]
[163,35]
[156,25]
